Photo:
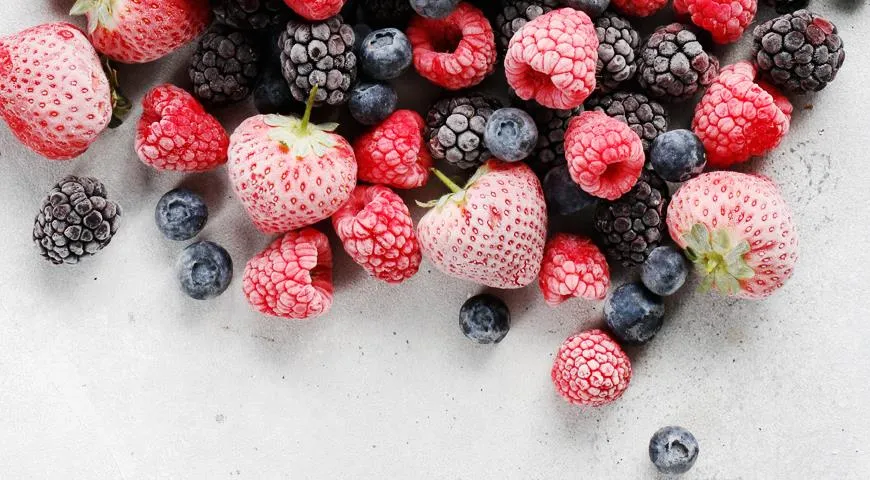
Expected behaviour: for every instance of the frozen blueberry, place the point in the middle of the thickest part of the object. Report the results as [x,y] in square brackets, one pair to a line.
[272,95]
[510,134]
[593,8]
[664,271]
[180,214]
[677,155]
[485,319]
[204,270]
[633,313]
[563,195]
[434,8]
[673,450]
[385,54]
[372,102]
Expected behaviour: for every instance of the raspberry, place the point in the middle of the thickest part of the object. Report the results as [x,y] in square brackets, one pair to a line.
[639,8]
[573,267]
[724,19]
[376,229]
[552,59]
[590,369]
[176,133]
[737,118]
[456,51]
[292,277]
[604,155]
[315,9]
[393,152]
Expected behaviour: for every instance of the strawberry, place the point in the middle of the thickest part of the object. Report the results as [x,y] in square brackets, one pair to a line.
[737,230]
[492,231]
[288,172]
[139,31]
[53,92]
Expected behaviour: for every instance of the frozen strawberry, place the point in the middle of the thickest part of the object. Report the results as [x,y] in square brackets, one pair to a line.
[315,9]
[724,19]
[572,267]
[393,153]
[590,369]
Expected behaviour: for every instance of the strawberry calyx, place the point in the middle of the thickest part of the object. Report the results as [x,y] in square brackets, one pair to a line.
[720,260]
[299,136]
[121,105]
[101,13]
[457,193]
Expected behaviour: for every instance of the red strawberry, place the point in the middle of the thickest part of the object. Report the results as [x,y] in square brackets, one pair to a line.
[290,173]
[53,92]
[139,31]
[393,153]
[492,231]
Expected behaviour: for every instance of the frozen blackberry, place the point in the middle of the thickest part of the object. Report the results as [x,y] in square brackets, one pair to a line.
[646,117]
[75,220]
[516,13]
[455,127]
[224,68]
[672,64]
[800,52]
[250,14]
[387,13]
[617,44]
[550,150]
[634,224]
[319,53]
[788,6]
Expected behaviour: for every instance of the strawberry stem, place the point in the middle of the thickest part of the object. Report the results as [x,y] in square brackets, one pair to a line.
[446,181]
[309,105]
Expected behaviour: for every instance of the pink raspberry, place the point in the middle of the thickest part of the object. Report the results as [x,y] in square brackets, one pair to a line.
[376,229]
[604,155]
[393,153]
[552,59]
[292,277]
[724,19]
[639,8]
[454,52]
[590,369]
[737,118]
[315,9]
[573,267]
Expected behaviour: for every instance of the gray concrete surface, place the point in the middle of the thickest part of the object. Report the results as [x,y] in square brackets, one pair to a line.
[107,371]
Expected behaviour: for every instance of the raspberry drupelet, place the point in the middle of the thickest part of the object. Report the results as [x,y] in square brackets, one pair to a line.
[591,369]
[573,267]
[638,8]
[393,153]
[724,19]
[313,10]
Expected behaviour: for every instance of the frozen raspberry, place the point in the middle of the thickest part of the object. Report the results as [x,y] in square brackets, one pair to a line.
[393,153]
[315,9]
[176,133]
[724,19]
[737,118]
[292,277]
[376,229]
[639,8]
[604,155]
[573,267]
[552,59]
[456,51]
[590,369]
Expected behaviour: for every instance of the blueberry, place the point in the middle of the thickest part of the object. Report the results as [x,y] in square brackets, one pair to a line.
[593,8]
[385,54]
[204,270]
[272,94]
[485,319]
[434,8]
[510,134]
[180,214]
[360,32]
[372,102]
[673,450]
[563,195]
[633,313]
[677,155]
[664,271]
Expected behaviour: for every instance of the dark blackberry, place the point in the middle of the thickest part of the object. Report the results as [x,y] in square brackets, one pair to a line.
[224,68]
[550,150]
[617,45]
[455,127]
[75,220]
[319,53]
[387,13]
[516,13]
[800,52]
[646,117]
[788,6]
[250,14]
[672,64]
[634,224]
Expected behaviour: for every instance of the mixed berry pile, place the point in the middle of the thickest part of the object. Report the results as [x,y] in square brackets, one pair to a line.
[586,127]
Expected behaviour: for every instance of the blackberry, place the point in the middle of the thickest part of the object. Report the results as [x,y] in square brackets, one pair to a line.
[387,13]
[516,13]
[646,117]
[319,53]
[800,52]
[788,6]
[617,44]
[455,128]
[75,220]
[224,68]
[672,64]
[550,150]
[250,14]
[634,224]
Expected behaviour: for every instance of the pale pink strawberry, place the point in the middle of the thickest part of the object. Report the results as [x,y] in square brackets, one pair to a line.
[139,31]
[53,92]
[738,231]
[490,232]
[288,172]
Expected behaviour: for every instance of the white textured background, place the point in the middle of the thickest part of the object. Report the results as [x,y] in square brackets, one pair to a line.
[108,371]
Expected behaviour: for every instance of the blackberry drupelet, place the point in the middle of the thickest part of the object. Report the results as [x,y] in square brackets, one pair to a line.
[224,68]
[618,42]
[455,127]
[672,64]
[75,220]
[646,117]
[387,13]
[516,13]
[634,224]
[250,14]
[550,150]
